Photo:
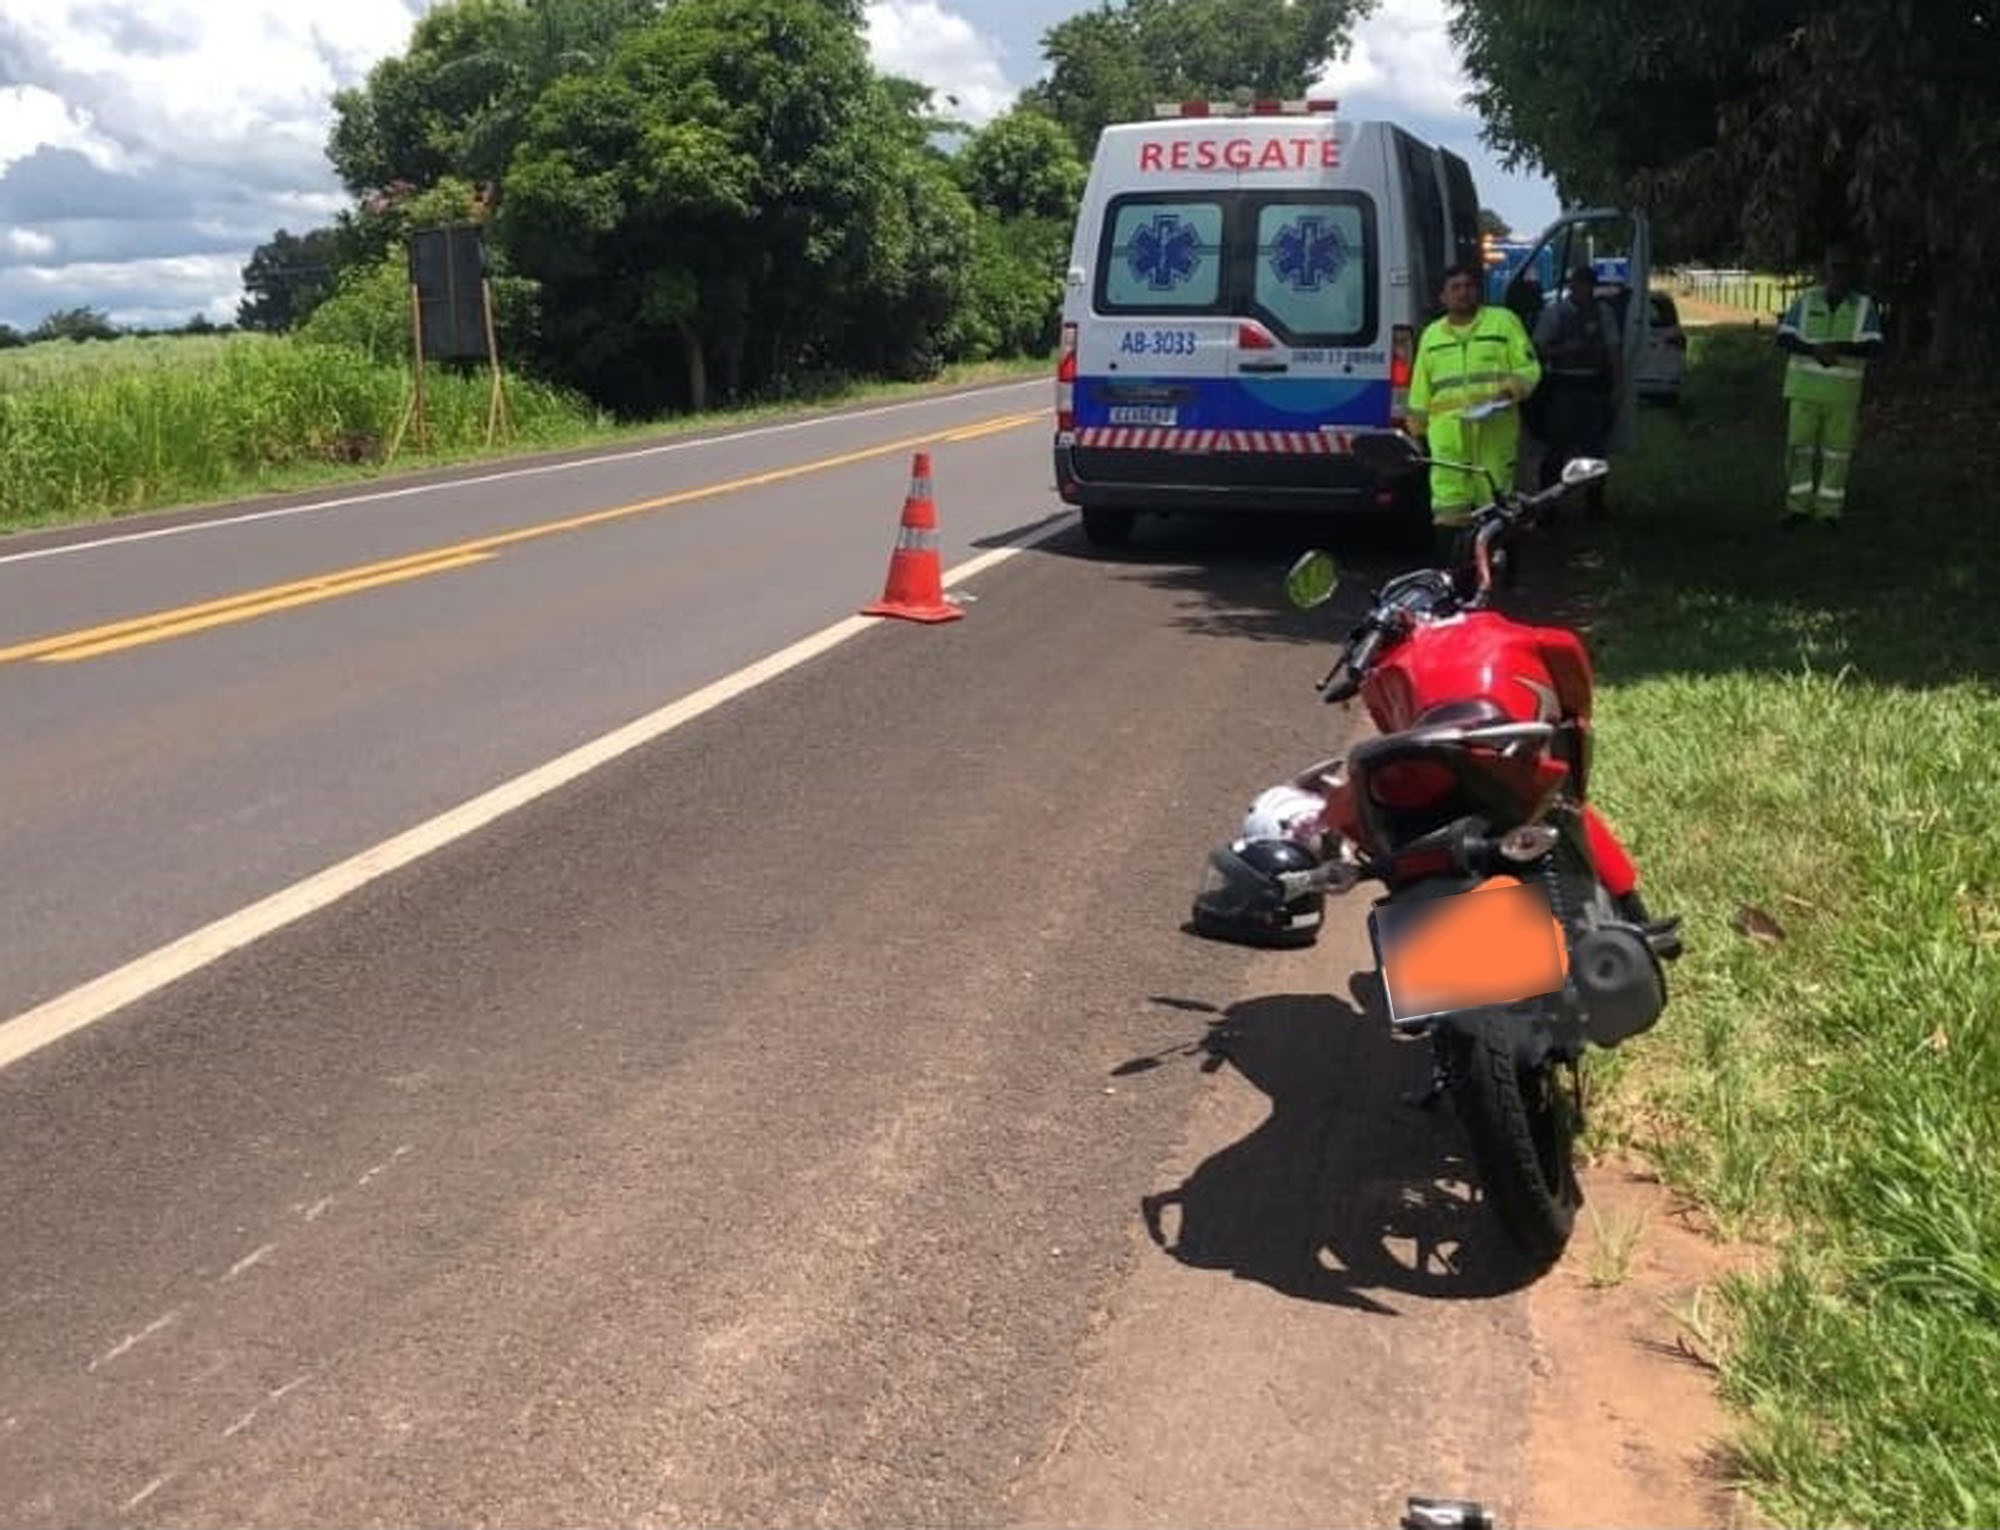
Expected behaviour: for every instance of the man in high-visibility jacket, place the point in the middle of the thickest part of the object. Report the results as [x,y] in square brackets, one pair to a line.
[1472,356]
[1830,331]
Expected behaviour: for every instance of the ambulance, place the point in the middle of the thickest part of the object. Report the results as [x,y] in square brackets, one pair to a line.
[1246,285]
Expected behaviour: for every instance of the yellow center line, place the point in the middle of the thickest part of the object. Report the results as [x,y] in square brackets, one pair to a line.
[331,590]
[994,427]
[131,632]
[250,603]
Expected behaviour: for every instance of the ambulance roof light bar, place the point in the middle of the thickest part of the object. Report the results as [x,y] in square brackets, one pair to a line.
[1261,107]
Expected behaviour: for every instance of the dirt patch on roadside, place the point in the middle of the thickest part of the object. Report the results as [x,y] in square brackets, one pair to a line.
[1626,1428]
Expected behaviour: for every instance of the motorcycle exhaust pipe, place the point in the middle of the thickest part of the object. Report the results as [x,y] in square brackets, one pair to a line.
[1618,978]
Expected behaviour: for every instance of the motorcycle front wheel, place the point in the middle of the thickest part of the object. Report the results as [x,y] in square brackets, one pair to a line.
[1523,1122]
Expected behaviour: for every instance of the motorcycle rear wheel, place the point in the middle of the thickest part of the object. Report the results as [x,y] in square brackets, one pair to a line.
[1523,1123]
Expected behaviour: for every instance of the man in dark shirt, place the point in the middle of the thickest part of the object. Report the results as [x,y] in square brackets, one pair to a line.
[1583,362]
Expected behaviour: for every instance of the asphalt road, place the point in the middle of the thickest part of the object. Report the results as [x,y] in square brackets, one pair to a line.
[761,1129]
[147,789]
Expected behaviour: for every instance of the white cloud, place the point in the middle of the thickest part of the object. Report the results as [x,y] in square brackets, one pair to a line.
[1402,58]
[178,133]
[128,275]
[32,118]
[1403,66]
[192,79]
[29,243]
[163,290]
[924,40]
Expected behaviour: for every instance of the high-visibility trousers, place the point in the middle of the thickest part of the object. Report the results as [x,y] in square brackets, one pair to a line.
[1819,448]
[1493,444]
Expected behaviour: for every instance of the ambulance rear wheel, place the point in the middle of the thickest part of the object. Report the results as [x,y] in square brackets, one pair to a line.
[1108,528]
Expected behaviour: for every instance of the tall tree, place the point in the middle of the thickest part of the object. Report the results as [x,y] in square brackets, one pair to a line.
[455,102]
[736,196]
[1022,164]
[1759,129]
[75,324]
[1113,63]
[1023,175]
[287,278]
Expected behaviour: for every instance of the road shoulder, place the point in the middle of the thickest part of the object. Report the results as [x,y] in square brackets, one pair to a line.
[1627,1429]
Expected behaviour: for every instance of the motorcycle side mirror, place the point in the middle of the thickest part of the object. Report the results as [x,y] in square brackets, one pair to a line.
[1584,470]
[1312,580]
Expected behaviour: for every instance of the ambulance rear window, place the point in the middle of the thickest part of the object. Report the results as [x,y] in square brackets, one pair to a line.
[1164,255]
[1301,261]
[1312,268]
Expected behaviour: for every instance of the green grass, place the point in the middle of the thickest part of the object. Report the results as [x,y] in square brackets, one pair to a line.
[1804,724]
[108,428]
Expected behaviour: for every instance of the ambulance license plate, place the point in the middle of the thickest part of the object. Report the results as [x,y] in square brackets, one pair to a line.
[1145,414]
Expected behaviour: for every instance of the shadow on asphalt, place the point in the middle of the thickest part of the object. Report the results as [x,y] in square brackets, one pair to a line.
[1227,572]
[1344,1192]
[1344,1195]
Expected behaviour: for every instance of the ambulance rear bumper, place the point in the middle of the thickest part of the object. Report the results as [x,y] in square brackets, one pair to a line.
[1135,479]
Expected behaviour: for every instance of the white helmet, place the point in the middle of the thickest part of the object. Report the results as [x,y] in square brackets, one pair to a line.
[1286,812]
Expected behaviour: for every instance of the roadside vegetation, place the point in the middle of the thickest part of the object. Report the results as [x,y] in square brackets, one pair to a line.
[1796,734]
[101,429]
[110,427]
[690,211]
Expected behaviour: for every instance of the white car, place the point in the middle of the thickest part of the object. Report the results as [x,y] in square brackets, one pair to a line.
[1663,362]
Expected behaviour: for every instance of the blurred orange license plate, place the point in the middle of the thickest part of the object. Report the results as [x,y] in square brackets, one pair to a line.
[1498,944]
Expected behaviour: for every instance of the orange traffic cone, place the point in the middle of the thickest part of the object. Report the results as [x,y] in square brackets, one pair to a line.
[915,588]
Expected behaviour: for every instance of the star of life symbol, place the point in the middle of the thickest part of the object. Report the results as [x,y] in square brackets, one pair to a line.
[1308,253]
[1165,252]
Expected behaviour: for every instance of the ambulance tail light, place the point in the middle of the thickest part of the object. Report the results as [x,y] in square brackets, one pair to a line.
[1066,382]
[1402,362]
[1254,337]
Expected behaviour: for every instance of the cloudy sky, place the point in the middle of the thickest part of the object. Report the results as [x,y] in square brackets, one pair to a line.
[147,146]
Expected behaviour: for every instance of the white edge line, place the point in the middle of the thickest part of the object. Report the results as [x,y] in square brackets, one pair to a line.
[85,1005]
[578,464]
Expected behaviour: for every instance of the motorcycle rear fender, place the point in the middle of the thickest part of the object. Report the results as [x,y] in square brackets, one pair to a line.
[1614,866]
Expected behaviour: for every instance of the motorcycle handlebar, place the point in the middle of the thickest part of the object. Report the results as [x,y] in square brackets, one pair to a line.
[1355,662]
[1503,514]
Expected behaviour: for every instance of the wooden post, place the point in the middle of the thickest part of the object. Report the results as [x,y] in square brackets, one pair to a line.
[415,407]
[417,332]
[496,408]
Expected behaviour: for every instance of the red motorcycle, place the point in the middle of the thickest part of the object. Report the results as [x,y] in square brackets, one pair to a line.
[1510,930]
